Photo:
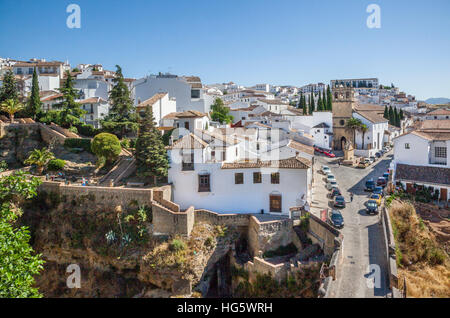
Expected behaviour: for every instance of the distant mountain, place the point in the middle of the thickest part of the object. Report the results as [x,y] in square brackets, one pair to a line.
[440,100]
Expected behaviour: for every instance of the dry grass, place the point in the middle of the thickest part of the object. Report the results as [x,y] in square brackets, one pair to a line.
[421,259]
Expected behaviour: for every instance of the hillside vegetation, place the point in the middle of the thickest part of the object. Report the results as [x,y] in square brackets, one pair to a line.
[420,257]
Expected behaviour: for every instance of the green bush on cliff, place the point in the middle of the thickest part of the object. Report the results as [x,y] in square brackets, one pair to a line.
[177,245]
[18,262]
[56,165]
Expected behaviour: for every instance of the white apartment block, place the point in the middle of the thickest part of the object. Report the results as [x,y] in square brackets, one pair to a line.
[356,82]
[161,106]
[188,91]
[208,171]
[422,157]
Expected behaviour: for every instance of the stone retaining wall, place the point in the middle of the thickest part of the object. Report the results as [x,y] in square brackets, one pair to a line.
[390,249]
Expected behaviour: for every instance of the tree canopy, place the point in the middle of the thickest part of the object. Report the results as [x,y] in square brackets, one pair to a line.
[18,262]
[122,117]
[34,102]
[106,147]
[151,155]
[70,111]
[220,113]
[9,89]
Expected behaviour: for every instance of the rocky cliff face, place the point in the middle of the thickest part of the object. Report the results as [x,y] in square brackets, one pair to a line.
[116,252]
[17,142]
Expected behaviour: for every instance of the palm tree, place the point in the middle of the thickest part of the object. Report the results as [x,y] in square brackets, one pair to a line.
[363,130]
[11,106]
[40,158]
[353,124]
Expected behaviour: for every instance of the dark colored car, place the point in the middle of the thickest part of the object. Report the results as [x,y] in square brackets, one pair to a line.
[370,185]
[378,154]
[335,192]
[378,190]
[381,182]
[339,201]
[336,219]
[372,207]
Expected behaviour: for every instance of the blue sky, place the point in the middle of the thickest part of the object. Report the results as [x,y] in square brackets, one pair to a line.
[248,41]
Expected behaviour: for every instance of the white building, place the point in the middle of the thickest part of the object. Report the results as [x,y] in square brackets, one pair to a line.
[356,82]
[188,91]
[186,121]
[96,108]
[372,141]
[421,157]
[438,114]
[161,106]
[227,184]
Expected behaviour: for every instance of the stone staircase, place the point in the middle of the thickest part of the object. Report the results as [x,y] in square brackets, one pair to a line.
[124,168]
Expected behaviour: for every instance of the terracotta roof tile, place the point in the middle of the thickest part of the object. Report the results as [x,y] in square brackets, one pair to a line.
[189,141]
[434,175]
[152,100]
[301,147]
[290,163]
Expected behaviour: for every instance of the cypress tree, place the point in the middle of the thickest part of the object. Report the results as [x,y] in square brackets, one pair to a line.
[9,88]
[71,112]
[386,113]
[34,103]
[299,104]
[151,155]
[324,101]
[305,107]
[312,106]
[391,116]
[396,118]
[329,99]
[320,103]
[122,116]
[402,116]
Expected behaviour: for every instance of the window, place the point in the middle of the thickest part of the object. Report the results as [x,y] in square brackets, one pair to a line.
[257,146]
[407,146]
[257,178]
[213,154]
[239,178]
[224,155]
[275,203]
[195,93]
[440,152]
[275,178]
[30,70]
[342,122]
[186,125]
[204,183]
[19,71]
[188,162]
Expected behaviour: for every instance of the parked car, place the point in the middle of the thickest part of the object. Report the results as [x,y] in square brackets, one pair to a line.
[335,192]
[381,181]
[367,161]
[330,177]
[331,184]
[336,219]
[378,190]
[329,154]
[378,154]
[377,198]
[372,207]
[325,170]
[370,185]
[362,165]
[319,150]
[373,159]
[339,201]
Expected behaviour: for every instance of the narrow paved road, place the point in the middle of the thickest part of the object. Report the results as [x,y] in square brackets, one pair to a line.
[363,234]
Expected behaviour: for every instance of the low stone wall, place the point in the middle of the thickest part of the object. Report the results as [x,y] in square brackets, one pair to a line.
[267,236]
[65,132]
[390,249]
[167,222]
[49,135]
[101,195]
[324,234]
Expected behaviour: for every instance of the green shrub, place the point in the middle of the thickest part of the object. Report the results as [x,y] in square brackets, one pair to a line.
[83,143]
[125,143]
[177,245]
[3,166]
[56,165]
[88,130]
[106,147]
[73,129]
[281,251]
